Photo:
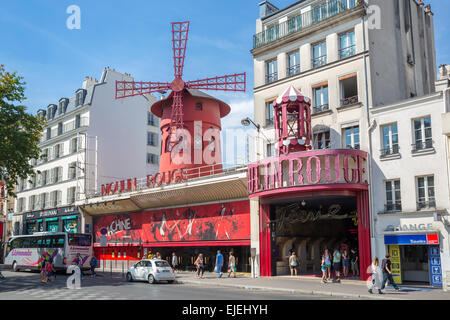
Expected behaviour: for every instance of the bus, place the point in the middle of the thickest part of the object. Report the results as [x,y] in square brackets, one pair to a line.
[25,252]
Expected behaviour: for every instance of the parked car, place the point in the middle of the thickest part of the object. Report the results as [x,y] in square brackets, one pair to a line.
[153,271]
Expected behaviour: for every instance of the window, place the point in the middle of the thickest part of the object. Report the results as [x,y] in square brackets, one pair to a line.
[55,198]
[58,151]
[50,113]
[152,158]
[422,134]
[393,196]
[390,140]
[80,240]
[49,133]
[43,203]
[425,192]
[271,71]
[61,107]
[151,139]
[71,195]
[351,137]
[320,99]
[60,128]
[162,264]
[31,201]
[322,140]
[79,98]
[77,121]
[57,174]
[270,150]
[74,145]
[44,178]
[349,90]
[150,119]
[72,171]
[347,45]
[269,113]
[319,53]
[293,63]
[199,106]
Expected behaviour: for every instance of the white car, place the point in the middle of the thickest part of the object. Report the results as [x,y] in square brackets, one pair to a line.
[154,270]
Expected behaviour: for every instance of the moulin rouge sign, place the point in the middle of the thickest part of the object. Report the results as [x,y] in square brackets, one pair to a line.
[308,169]
[128,185]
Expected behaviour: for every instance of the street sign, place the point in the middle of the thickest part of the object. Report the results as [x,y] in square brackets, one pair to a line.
[103,231]
[103,241]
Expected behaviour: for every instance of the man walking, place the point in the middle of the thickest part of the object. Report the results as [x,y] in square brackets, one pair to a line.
[387,273]
[174,261]
[219,264]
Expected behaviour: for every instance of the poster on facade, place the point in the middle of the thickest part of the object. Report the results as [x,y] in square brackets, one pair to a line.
[396,266]
[227,221]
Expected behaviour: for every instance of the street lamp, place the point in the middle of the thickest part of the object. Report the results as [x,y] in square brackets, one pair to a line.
[247,122]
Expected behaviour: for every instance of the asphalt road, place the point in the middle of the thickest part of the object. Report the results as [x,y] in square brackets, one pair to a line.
[27,286]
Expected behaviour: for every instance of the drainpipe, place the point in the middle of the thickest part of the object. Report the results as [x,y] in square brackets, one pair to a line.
[370,127]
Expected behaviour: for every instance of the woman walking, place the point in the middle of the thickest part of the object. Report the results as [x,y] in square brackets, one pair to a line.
[376,274]
[200,264]
[232,265]
[293,263]
[323,267]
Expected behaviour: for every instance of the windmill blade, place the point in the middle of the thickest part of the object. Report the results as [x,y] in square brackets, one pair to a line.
[126,89]
[180,32]
[234,82]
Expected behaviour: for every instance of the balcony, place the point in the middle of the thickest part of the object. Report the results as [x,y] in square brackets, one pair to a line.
[390,151]
[319,61]
[271,77]
[302,21]
[422,146]
[322,108]
[349,101]
[393,207]
[347,52]
[431,204]
[294,70]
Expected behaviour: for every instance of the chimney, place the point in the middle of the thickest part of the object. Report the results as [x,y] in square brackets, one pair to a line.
[444,71]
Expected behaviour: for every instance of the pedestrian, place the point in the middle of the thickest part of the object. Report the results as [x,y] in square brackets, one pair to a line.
[326,257]
[79,263]
[293,263]
[232,265]
[43,260]
[324,268]
[158,255]
[346,262]
[94,264]
[387,273]
[150,256]
[49,271]
[200,264]
[337,265]
[174,261]
[355,262]
[375,269]
[219,264]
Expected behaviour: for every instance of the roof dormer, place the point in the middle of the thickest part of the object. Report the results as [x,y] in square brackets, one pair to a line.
[62,105]
[79,97]
[51,111]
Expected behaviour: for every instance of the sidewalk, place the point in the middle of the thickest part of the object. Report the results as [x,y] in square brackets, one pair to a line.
[313,286]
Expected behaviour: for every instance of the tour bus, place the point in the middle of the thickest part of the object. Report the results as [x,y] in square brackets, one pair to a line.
[25,252]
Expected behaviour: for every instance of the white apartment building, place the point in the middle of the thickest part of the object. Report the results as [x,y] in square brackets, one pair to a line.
[90,139]
[365,65]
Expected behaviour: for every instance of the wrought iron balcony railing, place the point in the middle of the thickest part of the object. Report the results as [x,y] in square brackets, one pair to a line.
[294,70]
[347,52]
[318,109]
[319,61]
[388,151]
[349,101]
[304,20]
[272,77]
[393,207]
[422,145]
[431,204]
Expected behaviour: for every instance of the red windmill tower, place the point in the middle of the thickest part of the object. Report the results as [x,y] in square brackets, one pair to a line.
[179,110]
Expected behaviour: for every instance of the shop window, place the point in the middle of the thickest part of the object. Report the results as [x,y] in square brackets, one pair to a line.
[71,225]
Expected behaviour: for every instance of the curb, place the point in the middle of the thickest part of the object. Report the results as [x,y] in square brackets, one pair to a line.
[301,291]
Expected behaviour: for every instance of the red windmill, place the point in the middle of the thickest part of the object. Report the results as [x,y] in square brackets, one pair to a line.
[180,30]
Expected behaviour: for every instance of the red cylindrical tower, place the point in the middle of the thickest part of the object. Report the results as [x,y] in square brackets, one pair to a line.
[292,116]
[199,151]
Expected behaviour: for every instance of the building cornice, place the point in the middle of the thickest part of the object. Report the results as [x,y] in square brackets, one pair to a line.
[414,102]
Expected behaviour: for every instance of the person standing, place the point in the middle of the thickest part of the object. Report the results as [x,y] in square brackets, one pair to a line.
[327,258]
[387,273]
[174,261]
[219,264]
[232,265]
[94,264]
[293,263]
[79,263]
[43,260]
[324,268]
[337,264]
[200,264]
[354,262]
[375,269]
[346,262]
[150,256]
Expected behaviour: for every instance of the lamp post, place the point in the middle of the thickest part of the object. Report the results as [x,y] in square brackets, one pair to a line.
[247,122]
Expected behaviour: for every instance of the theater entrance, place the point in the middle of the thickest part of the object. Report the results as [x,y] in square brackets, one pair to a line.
[308,226]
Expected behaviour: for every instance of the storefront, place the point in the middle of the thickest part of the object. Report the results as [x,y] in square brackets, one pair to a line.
[415,252]
[187,231]
[66,219]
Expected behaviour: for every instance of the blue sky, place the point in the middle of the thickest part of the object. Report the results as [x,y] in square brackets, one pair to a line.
[134,37]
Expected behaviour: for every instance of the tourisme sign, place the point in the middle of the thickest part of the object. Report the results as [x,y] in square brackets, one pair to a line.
[411,239]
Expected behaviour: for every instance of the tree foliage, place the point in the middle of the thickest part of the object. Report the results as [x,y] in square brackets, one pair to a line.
[19,131]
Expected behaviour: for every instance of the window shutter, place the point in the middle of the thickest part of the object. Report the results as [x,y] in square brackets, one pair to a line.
[59,197]
[60,173]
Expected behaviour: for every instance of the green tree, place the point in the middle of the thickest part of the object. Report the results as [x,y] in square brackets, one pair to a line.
[19,131]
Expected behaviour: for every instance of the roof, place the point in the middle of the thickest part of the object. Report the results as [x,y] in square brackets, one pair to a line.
[157,107]
[291,94]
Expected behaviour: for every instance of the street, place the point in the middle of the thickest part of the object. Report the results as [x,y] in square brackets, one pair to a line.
[27,286]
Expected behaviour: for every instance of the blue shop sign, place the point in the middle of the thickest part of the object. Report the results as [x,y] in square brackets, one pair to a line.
[411,239]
